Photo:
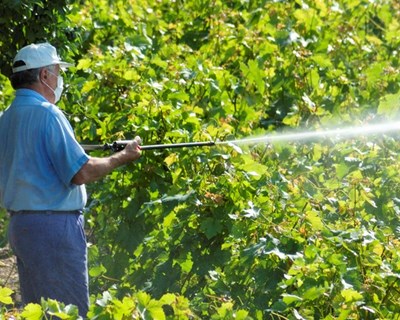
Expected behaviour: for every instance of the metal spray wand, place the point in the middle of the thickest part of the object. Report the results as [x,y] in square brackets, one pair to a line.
[120,145]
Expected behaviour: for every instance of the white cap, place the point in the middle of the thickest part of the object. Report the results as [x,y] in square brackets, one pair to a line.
[37,56]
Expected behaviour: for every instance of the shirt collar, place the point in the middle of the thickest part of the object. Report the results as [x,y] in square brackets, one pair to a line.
[30,93]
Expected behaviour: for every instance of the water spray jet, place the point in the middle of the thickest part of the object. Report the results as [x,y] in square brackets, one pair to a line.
[339,133]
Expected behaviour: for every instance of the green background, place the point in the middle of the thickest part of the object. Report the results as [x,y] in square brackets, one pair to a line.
[294,230]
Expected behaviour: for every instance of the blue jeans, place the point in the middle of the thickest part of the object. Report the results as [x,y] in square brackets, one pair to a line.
[51,257]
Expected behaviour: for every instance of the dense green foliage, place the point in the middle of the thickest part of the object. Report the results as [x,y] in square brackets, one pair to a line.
[26,21]
[285,231]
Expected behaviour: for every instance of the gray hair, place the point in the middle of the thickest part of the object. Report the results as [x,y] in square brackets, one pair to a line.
[27,77]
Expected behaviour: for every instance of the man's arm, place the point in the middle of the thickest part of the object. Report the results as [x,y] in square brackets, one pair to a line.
[96,168]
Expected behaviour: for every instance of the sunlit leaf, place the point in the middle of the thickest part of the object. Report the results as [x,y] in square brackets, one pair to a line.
[351,295]
[83,64]
[5,295]
[32,311]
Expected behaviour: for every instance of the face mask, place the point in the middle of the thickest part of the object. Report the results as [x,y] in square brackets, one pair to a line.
[59,89]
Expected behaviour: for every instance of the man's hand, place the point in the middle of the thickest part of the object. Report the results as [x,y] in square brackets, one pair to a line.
[132,149]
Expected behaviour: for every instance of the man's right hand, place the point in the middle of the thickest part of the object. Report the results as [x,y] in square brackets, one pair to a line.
[132,149]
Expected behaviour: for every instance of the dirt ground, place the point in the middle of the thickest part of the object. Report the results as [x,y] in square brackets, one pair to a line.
[9,273]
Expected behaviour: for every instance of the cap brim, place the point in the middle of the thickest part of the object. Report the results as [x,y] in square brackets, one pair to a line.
[65,65]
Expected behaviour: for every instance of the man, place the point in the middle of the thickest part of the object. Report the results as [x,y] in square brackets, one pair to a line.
[43,170]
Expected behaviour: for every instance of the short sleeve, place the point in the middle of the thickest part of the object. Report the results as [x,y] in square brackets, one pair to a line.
[65,154]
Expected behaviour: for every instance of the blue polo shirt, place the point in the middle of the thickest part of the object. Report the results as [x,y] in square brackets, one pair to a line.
[39,156]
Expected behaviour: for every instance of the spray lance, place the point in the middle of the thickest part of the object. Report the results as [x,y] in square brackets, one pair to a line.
[344,132]
[120,145]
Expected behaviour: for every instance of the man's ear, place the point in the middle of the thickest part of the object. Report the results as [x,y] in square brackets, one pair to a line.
[43,74]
